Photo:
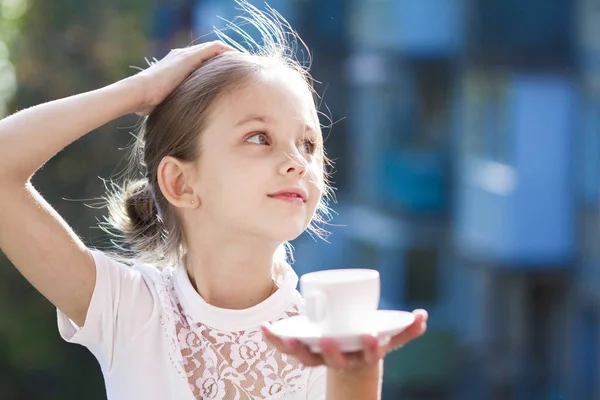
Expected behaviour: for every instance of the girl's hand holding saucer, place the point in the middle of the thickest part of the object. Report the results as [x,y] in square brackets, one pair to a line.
[334,359]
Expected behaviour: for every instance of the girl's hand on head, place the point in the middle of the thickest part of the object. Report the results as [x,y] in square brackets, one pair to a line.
[162,77]
[334,359]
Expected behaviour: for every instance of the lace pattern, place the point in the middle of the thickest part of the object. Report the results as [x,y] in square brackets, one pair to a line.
[220,365]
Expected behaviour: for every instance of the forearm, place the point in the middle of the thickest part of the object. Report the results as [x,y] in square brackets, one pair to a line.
[357,385]
[31,137]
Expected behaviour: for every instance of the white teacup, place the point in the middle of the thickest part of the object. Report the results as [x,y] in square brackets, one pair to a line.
[341,301]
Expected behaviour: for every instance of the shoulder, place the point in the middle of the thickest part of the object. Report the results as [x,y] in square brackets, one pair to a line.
[114,268]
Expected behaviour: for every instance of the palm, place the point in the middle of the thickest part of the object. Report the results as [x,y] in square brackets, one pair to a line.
[162,77]
[331,355]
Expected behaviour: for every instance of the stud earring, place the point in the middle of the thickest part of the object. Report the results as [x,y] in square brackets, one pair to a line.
[192,201]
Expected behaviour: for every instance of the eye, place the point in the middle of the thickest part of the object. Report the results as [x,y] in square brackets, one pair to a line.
[308,146]
[258,138]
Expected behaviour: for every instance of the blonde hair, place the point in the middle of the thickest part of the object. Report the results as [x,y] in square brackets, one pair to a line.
[143,218]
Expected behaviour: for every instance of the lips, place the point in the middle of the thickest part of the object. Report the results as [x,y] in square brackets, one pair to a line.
[296,195]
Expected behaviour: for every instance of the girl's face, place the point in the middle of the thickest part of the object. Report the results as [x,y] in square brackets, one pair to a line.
[260,170]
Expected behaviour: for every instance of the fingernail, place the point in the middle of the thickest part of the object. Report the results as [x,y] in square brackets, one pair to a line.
[423,313]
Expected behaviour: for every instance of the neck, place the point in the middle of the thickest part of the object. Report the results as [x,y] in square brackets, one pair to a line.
[231,275]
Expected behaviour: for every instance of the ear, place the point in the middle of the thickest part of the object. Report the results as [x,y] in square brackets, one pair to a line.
[174,177]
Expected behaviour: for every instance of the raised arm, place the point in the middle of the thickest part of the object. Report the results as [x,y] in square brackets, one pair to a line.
[33,236]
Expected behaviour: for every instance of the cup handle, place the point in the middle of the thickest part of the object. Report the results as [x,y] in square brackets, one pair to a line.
[315,306]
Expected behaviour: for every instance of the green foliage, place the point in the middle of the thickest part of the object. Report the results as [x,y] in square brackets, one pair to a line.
[59,48]
[11,15]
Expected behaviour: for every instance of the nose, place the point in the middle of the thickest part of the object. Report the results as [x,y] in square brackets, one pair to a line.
[293,163]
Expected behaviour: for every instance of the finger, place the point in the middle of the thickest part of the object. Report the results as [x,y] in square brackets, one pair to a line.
[416,329]
[423,313]
[276,341]
[205,51]
[198,54]
[294,348]
[205,45]
[332,355]
[306,357]
[371,350]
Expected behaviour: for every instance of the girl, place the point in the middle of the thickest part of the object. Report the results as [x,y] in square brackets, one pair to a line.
[233,163]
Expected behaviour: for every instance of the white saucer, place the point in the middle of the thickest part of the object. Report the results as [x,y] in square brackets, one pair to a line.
[385,324]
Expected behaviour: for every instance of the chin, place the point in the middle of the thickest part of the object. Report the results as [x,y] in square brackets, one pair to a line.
[291,235]
[286,232]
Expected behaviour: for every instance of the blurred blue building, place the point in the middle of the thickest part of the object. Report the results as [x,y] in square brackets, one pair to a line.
[469,167]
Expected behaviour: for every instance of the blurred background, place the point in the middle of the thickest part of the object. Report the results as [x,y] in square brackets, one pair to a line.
[467,150]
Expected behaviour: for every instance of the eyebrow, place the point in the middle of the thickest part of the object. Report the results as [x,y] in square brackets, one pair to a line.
[265,119]
[251,118]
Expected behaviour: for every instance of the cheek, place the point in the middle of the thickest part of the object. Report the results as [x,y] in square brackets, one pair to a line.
[219,181]
[314,204]
[316,189]
[316,177]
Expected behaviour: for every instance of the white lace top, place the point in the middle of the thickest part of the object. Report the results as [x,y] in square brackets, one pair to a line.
[156,338]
